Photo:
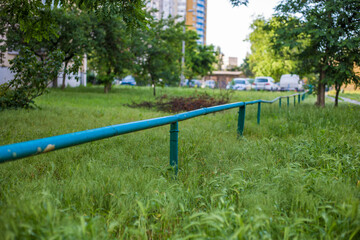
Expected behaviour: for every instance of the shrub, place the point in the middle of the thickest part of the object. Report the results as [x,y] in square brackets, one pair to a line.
[33,75]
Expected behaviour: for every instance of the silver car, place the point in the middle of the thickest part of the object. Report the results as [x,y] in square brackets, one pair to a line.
[241,84]
[264,83]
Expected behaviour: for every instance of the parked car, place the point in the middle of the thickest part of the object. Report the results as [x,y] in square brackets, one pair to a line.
[240,84]
[116,81]
[193,83]
[128,80]
[264,83]
[209,84]
[289,82]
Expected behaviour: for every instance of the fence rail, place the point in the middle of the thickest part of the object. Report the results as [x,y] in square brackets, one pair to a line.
[25,149]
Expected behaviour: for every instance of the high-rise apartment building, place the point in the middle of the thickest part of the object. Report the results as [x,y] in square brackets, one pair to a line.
[168,7]
[196,18]
[194,10]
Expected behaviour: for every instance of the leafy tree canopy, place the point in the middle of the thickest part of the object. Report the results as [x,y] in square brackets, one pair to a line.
[35,19]
[239,2]
[200,61]
[245,67]
[111,56]
[32,78]
[326,36]
[158,51]
[264,60]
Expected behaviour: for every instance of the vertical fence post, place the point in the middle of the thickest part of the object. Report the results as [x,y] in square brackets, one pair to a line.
[294,100]
[288,101]
[279,102]
[259,113]
[174,146]
[299,98]
[241,120]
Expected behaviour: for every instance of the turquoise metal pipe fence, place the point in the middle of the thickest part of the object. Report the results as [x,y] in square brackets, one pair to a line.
[25,149]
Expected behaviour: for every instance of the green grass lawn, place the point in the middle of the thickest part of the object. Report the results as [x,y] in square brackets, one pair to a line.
[296,175]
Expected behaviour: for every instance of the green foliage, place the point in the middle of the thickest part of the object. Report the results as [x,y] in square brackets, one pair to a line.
[111,55]
[35,20]
[72,38]
[239,2]
[219,59]
[158,52]
[264,60]
[74,29]
[31,78]
[326,36]
[200,59]
[245,67]
[295,176]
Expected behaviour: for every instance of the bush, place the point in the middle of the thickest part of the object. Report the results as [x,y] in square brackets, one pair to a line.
[32,77]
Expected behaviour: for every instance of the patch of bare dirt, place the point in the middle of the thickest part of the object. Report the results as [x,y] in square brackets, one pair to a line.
[180,104]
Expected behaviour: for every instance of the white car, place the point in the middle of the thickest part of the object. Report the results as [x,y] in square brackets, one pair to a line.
[264,83]
[241,84]
[289,82]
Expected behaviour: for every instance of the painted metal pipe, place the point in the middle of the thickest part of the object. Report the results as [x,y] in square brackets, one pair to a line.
[294,100]
[174,131]
[44,145]
[258,113]
[299,98]
[288,101]
[241,120]
[279,102]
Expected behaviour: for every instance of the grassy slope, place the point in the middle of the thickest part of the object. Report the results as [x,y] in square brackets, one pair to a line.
[294,175]
[354,95]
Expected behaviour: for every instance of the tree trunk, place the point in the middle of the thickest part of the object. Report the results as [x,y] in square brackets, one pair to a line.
[154,88]
[64,76]
[337,88]
[321,91]
[107,87]
[55,82]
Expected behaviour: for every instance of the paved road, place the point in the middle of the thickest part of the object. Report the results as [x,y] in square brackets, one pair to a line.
[342,99]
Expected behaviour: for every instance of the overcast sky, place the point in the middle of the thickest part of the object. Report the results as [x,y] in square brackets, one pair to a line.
[229,26]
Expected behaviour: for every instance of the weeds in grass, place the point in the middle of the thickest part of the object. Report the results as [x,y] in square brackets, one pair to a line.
[293,176]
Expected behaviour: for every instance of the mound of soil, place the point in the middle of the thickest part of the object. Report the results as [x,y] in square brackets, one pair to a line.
[180,104]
